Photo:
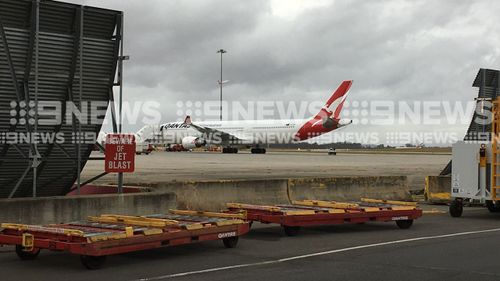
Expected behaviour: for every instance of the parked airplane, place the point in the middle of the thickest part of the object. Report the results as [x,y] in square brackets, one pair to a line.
[251,133]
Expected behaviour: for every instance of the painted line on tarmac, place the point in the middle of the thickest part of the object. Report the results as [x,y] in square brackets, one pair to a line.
[169,276]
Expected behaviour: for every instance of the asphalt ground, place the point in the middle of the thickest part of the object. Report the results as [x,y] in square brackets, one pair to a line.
[183,166]
[436,247]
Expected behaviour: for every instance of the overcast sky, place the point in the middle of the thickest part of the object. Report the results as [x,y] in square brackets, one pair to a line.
[296,50]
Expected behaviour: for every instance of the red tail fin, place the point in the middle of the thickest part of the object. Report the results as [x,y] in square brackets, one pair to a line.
[328,117]
[336,101]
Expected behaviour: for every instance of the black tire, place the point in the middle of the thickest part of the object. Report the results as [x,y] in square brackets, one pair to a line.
[404,224]
[291,230]
[27,255]
[492,206]
[92,262]
[229,150]
[230,242]
[456,208]
[258,150]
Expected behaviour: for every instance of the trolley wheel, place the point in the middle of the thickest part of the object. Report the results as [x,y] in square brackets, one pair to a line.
[404,224]
[492,206]
[291,230]
[27,255]
[92,262]
[230,242]
[456,208]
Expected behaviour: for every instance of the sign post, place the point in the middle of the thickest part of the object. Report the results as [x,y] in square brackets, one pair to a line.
[120,153]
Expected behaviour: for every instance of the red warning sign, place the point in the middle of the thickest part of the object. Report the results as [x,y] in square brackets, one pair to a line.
[120,153]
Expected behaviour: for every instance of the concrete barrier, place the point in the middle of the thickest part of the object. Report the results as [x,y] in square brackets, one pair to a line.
[437,189]
[350,188]
[213,195]
[70,208]
[201,195]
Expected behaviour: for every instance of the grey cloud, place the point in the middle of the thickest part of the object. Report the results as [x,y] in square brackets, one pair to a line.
[396,50]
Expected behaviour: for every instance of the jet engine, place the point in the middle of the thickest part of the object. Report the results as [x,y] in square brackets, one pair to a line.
[330,123]
[192,142]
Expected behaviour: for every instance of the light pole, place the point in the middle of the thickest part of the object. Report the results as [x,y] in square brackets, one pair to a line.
[221,51]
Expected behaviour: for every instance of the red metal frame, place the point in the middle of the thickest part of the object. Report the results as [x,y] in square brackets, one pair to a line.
[80,245]
[264,216]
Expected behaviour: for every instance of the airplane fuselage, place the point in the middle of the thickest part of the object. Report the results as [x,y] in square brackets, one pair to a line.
[248,132]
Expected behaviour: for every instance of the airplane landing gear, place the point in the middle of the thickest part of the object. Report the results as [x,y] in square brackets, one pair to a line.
[229,150]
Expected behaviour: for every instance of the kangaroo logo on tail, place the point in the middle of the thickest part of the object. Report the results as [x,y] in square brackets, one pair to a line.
[328,118]
[336,101]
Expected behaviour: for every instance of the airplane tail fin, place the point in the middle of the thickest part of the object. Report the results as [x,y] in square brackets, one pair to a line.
[328,118]
[334,105]
[336,101]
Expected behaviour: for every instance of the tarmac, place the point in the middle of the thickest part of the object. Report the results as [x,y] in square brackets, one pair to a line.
[437,247]
[181,166]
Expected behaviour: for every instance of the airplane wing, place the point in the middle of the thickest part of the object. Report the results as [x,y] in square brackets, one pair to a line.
[212,133]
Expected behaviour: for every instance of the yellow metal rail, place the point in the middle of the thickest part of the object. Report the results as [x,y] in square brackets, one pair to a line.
[495,128]
[393,205]
[209,214]
[274,209]
[325,204]
[255,207]
[390,202]
[39,228]
[134,221]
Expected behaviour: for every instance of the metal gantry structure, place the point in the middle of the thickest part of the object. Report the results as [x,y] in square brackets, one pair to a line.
[54,52]
[488,83]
